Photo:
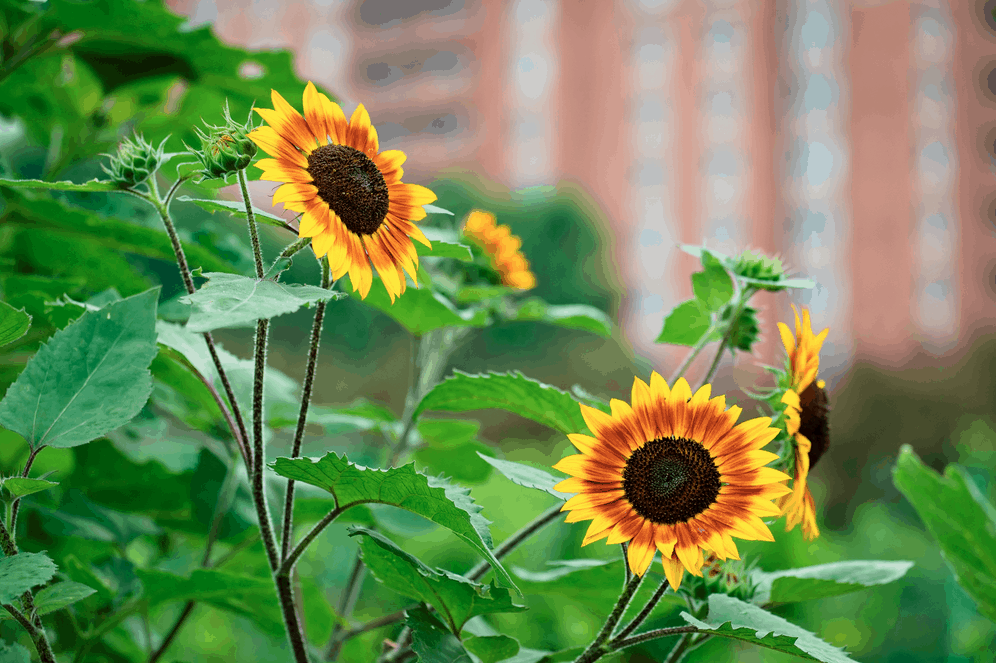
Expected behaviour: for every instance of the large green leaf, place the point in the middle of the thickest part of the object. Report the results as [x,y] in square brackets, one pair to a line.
[21,572]
[92,185]
[19,487]
[238,210]
[454,597]
[713,287]
[492,648]
[816,582]
[419,310]
[526,476]
[248,596]
[686,324]
[431,498]
[960,518]
[513,392]
[441,249]
[732,618]
[569,316]
[231,300]
[79,517]
[14,323]
[60,595]
[432,641]
[90,378]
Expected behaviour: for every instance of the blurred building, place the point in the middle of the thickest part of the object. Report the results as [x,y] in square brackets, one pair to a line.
[855,139]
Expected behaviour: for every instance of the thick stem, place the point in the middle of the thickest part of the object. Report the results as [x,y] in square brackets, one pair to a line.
[15,507]
[302,417]
[36,632]
[292,620]
[676,653]
[288,564]
[744,296]
[259,457]
[230,393]
[599,647]
[257,254]
[347,602]
[647,609]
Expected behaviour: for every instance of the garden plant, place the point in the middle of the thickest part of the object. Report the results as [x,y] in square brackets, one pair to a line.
[144,482]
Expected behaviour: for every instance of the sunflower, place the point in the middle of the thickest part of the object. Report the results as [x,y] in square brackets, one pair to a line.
[672,473]
[353,201]
[502,248]
[806,407]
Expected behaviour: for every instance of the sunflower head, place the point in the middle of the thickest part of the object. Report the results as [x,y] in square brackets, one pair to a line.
[806,419]
[502,249]
[135,161]
[672,473]
[225,149]
[353,203]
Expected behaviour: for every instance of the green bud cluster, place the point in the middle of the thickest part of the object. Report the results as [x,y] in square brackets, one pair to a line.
[731,577]
[225,149]
[135,161]
[755,265]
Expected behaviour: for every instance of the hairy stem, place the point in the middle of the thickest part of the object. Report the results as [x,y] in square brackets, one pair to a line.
[676,653]
[302,417]
[295,554]
[33,627]
[647,609]
[17,502]
[347,602]
[731,328]
[257,253]
[599,646]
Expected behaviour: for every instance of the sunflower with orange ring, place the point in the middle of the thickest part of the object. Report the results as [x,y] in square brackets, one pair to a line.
[355,207]
[672,473]
[501,248]
[806,421]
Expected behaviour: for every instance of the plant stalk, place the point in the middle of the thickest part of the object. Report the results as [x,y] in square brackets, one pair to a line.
[15,507]
[600,646]
[744,296]
[647,609]
[257,253]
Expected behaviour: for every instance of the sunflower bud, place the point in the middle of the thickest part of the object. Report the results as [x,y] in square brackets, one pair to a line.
[135,161]
[225,149]
[755,265]
[731,577]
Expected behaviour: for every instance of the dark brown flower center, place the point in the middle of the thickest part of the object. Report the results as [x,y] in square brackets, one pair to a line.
[352,185]
[814,421]
[671,480]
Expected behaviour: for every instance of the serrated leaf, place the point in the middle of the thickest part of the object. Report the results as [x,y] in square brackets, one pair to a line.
[14,323]
[960,518]
[432,641]
[90,378]
[454,597]
[492,648]
[231,300]
[64,185]
[238,210]
[419,310]
[248,596]
[512,392]
[686,324]
[713,286]
[21,572]
[19,487]
[60,595]
[441,249]
[569,316]
[13,653]
[526,476]
[431,498]
[816,582]
[732,618]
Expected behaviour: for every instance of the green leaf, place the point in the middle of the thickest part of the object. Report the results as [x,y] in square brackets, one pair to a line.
[248,596]
[431,641]
[231,300]
[21,572]
[419,310]
[79,517]
[685,324]
[513,392]
[441,249]
[14,323]
[493,648]
[478,293]
[561,568]
[713,286]
[454,597]
[90,378]
[960,518]
[451,448]
[570,316]
[732,618]
[65,185]
[526,476]
[19,487]
[238,210]
[816,582]
[431,498]
[13,653]
[60,595]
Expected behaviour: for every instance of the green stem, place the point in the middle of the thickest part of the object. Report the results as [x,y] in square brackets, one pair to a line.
[513,542]
[347,602]
[34,627]
[731,327]
[693,354]
[647,609]
[302,417]
[257,254]
[676,653]
[17,502]
[600,646]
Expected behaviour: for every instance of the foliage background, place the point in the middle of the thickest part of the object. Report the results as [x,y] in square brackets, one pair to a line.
[62,107]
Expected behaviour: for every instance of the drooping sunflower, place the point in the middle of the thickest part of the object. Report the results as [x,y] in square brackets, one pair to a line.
[353,201]
[806,408]
[672,473]
[502,248]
